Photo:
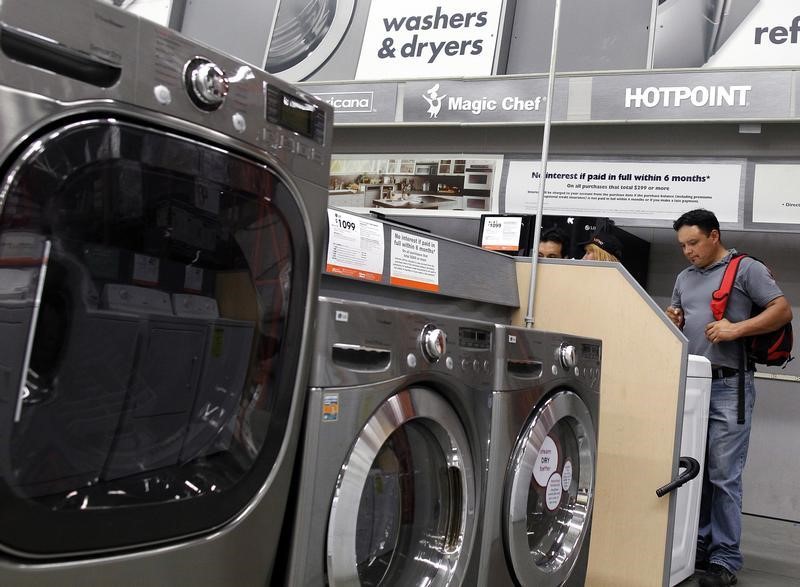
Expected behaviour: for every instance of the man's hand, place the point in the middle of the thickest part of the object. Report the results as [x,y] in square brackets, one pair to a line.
[721,331]
[676,315]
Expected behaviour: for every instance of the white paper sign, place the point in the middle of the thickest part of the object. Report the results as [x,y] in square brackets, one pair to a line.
[501,234]
[566,475]
[414,261]
[193,278]
[355,246]
[546,462]
[418,38]
[145,269]
[553,492]
[775,195]
[651,190]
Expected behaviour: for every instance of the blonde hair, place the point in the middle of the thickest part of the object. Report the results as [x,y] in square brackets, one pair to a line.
[600,254]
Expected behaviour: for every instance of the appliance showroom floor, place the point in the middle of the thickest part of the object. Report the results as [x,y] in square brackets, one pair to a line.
[770,554]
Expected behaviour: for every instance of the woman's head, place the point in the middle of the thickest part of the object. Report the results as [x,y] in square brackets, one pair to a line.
[594,253]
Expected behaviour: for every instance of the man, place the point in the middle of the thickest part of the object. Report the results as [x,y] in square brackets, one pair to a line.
[553,244]
[698,232]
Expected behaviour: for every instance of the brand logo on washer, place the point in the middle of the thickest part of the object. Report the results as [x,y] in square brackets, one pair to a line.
[512,339]
[348,101]
[342,316]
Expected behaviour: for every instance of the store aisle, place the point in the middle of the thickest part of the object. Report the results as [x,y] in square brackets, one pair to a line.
[770,554]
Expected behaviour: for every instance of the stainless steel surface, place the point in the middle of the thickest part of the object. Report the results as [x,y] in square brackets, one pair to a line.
[413,432]
[38,92]
[540,487]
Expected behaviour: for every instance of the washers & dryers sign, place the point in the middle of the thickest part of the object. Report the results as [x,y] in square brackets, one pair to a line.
[419,38]
[705,96]
[521,100]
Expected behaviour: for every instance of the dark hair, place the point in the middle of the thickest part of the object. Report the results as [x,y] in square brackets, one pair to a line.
[702,219]
[555,235]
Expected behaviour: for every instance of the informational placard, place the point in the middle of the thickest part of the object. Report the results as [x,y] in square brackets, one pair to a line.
[355,246]
[553,494]
[775,198]
[501,233]
[649,190]
[418,38]
[546,462]
[414,261]
[145,269]
[193,278]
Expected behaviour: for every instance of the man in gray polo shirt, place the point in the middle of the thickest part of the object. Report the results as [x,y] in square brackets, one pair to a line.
[719,340]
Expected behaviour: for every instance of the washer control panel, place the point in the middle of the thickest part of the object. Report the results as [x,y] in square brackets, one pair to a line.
[206,83]
[433,341]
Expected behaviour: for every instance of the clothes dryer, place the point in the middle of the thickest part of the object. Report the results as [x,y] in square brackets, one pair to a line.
[543,450]
[392,477]
[139,442]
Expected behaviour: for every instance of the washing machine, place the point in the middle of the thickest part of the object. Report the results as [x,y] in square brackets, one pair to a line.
[543,452]
[391,486]
[162,214]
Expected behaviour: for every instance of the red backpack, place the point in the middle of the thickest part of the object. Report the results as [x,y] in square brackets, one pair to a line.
[771,348]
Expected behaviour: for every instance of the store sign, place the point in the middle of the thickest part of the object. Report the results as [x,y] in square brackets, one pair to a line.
[417,38]
[648,190]
[522,100]
[358,102]
[775,193]
[769,36]
[692,96]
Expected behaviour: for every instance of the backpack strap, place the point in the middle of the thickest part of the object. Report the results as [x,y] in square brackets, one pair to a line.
[720,297]
[719,303]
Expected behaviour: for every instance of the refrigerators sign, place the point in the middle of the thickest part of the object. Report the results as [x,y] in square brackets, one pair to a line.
[648,190]
[480,101]
[686,96]
[418,38]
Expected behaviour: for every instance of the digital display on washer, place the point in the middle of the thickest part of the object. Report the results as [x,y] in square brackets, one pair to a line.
[591,351]
[474,338]
[295,114]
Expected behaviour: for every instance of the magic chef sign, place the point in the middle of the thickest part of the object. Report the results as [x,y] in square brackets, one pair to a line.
[480,101]
[420,38]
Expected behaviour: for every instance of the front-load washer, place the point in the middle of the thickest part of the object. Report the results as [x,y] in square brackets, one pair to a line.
[391,485]
[162,214]
[543,450]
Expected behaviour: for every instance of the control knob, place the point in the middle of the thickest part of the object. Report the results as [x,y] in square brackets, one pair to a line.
[206,83]
[434,342]
[567,356]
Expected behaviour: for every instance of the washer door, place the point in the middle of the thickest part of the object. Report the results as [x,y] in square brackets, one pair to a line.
[550,490]
[403,510]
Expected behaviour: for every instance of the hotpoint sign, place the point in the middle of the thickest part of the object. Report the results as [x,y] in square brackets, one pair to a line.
[478,101]
[692,96]
[419,38]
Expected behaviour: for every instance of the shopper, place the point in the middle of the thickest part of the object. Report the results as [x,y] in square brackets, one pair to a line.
[553,244]
[698,232]
[603,246]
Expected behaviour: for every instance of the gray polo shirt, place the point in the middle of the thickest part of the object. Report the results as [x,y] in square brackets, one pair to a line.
[693,288]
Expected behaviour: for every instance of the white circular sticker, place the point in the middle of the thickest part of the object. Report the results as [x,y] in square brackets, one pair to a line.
[553,495]
[566,475]
[546,462]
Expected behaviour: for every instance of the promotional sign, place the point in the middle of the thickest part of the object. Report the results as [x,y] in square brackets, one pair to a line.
[414,261]
[651,190]
[520,100]
[358,102]
[692,96]
[417,38]
[501,233]
[355,246]
[775,198]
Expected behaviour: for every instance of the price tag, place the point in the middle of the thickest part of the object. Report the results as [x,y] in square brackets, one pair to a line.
[355,246]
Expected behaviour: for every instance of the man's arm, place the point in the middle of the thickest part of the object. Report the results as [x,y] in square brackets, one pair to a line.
[776,313]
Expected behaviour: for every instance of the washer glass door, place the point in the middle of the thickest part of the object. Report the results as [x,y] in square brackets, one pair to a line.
[403,511]
[550,490]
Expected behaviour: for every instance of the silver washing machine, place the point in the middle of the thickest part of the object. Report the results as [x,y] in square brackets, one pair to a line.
[543,451]
[392,477]
[162,214]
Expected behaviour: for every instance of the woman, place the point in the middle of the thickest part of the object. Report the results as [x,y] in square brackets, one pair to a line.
[602,247]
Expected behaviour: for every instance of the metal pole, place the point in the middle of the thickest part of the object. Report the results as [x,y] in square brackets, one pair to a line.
[537,231]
